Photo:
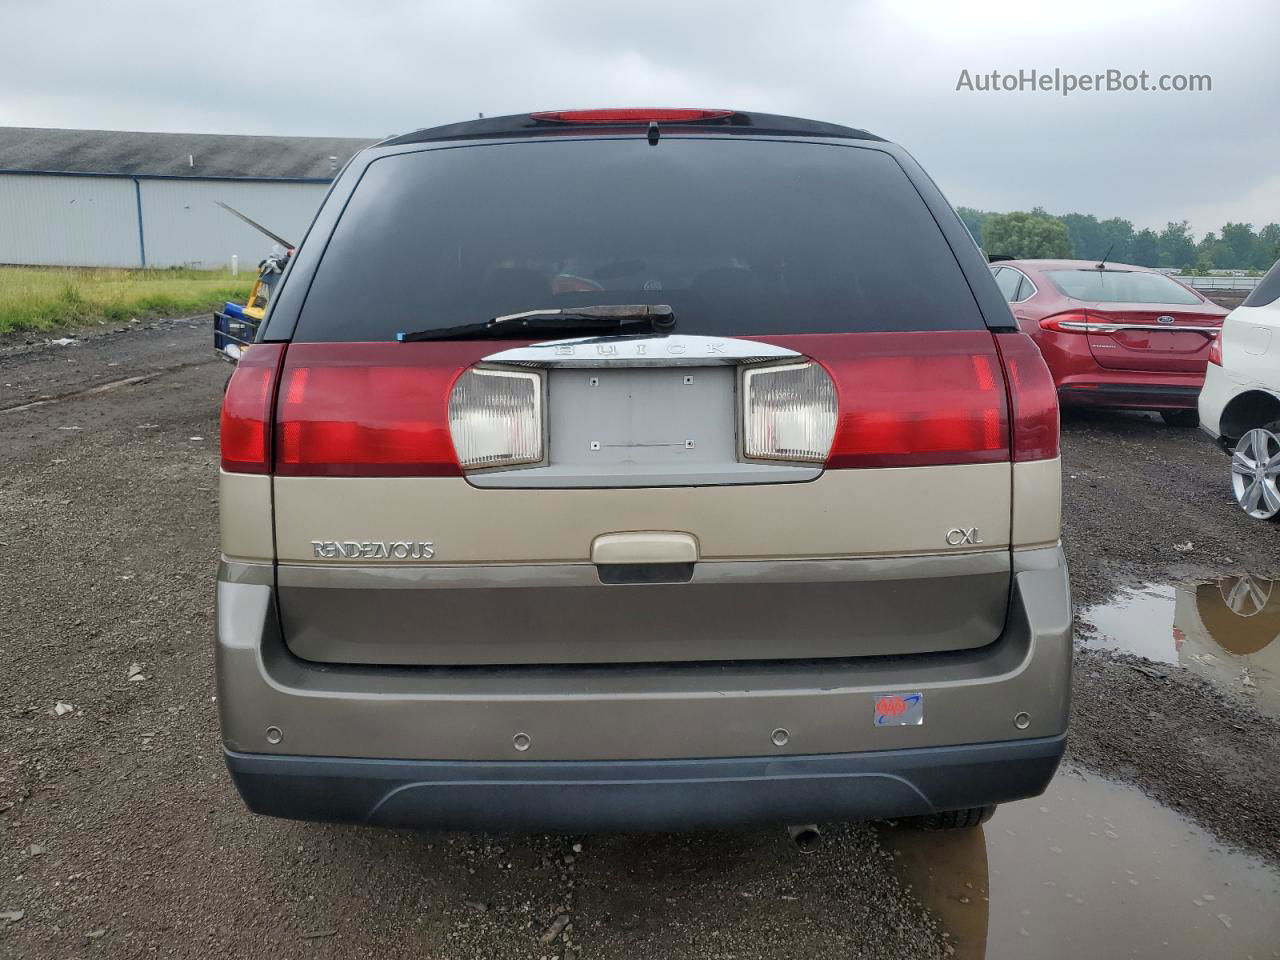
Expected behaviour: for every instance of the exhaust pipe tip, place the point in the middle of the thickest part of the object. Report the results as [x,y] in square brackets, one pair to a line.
[806,837]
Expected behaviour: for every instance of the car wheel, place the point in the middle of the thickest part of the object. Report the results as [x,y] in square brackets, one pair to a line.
[1255,469]
[1181,418]
[954,819]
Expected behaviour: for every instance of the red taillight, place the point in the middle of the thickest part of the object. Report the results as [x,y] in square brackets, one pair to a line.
[246,410]
[912,399]
[1215,350]
[369,409]
[641,115]
[1034,398]
[1066,323]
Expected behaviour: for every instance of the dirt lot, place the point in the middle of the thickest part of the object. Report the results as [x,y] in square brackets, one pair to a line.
[121,836]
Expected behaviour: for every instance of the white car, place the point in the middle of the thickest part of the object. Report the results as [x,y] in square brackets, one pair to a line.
[1240,402]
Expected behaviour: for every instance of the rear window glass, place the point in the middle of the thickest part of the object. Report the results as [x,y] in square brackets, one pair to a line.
[1114,286]
[738,237]
[1267,291]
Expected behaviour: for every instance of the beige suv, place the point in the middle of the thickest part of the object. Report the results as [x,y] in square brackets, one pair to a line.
[640,469]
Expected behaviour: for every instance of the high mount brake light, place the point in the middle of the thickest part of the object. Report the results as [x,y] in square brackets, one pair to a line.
[246,410]
[635,115]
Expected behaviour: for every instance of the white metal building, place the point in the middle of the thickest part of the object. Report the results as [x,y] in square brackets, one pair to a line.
[119,199]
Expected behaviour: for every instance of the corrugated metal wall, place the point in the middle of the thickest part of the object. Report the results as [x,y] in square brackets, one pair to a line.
[93,221]
[183,224]
[71,221]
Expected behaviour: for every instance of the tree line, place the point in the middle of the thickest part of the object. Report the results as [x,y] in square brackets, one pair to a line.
[1037,234]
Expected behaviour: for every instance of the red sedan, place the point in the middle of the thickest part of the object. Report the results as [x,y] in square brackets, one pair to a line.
[1115,335]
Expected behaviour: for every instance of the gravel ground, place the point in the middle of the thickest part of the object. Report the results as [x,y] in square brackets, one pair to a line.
[120,834]
[1134,491]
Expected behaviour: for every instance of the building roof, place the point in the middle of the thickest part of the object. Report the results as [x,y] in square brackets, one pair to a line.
[196,155]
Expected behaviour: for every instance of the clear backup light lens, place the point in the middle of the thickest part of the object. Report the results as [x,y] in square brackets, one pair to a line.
[495,417]
[789,413]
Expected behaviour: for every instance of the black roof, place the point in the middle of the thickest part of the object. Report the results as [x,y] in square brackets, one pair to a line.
[196,155]
[525,125]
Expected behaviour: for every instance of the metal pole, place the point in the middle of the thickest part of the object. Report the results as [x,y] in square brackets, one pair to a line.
[142,241]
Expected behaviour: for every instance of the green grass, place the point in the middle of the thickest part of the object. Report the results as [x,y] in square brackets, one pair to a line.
[47,298]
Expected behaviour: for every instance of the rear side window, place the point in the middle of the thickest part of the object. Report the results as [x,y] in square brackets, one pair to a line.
[1117,286]
[1267,291]
[740,237]
[1007,281]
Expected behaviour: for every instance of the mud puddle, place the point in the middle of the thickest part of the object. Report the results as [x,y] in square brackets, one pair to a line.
[1225,630]
[1090,869]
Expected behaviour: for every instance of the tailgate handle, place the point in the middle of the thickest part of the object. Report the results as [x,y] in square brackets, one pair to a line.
[644,547]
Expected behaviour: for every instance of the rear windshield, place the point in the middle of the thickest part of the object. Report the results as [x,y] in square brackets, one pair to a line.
[738,237]
[1115,286]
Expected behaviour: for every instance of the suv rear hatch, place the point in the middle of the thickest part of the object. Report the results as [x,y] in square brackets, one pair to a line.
[815,463]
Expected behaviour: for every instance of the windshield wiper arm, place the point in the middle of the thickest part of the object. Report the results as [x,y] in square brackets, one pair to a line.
[658,318]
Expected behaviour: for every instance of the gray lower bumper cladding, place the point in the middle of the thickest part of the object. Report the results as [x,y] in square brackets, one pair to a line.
[645,746]
[581,796]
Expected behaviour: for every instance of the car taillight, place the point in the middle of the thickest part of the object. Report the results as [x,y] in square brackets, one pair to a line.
[1066,323]
[369,409]
[1034,396]
[246,410]
[495,418]
[789,413]
[1215,350]
[912,399]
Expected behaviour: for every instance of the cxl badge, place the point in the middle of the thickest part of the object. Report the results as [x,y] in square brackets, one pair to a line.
[963,536]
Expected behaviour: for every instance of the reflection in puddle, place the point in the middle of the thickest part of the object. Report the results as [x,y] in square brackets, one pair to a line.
[1090,869]
[1224,629]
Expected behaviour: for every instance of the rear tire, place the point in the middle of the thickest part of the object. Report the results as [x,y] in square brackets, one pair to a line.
[1181,418]
[954,819]
[1255,489]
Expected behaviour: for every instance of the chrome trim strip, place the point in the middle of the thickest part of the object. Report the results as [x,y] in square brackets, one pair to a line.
[641,351]
[1114,327]
[529,575]
[572,476]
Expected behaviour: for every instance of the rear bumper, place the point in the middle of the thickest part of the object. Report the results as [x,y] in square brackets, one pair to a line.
[693,741]
[644,795]
[1217,393]
[1082,381]
[1135,395]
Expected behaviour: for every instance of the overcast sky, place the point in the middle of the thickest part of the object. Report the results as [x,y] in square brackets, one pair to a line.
[385,66]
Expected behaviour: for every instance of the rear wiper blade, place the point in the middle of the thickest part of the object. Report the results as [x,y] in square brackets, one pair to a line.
[657,317]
